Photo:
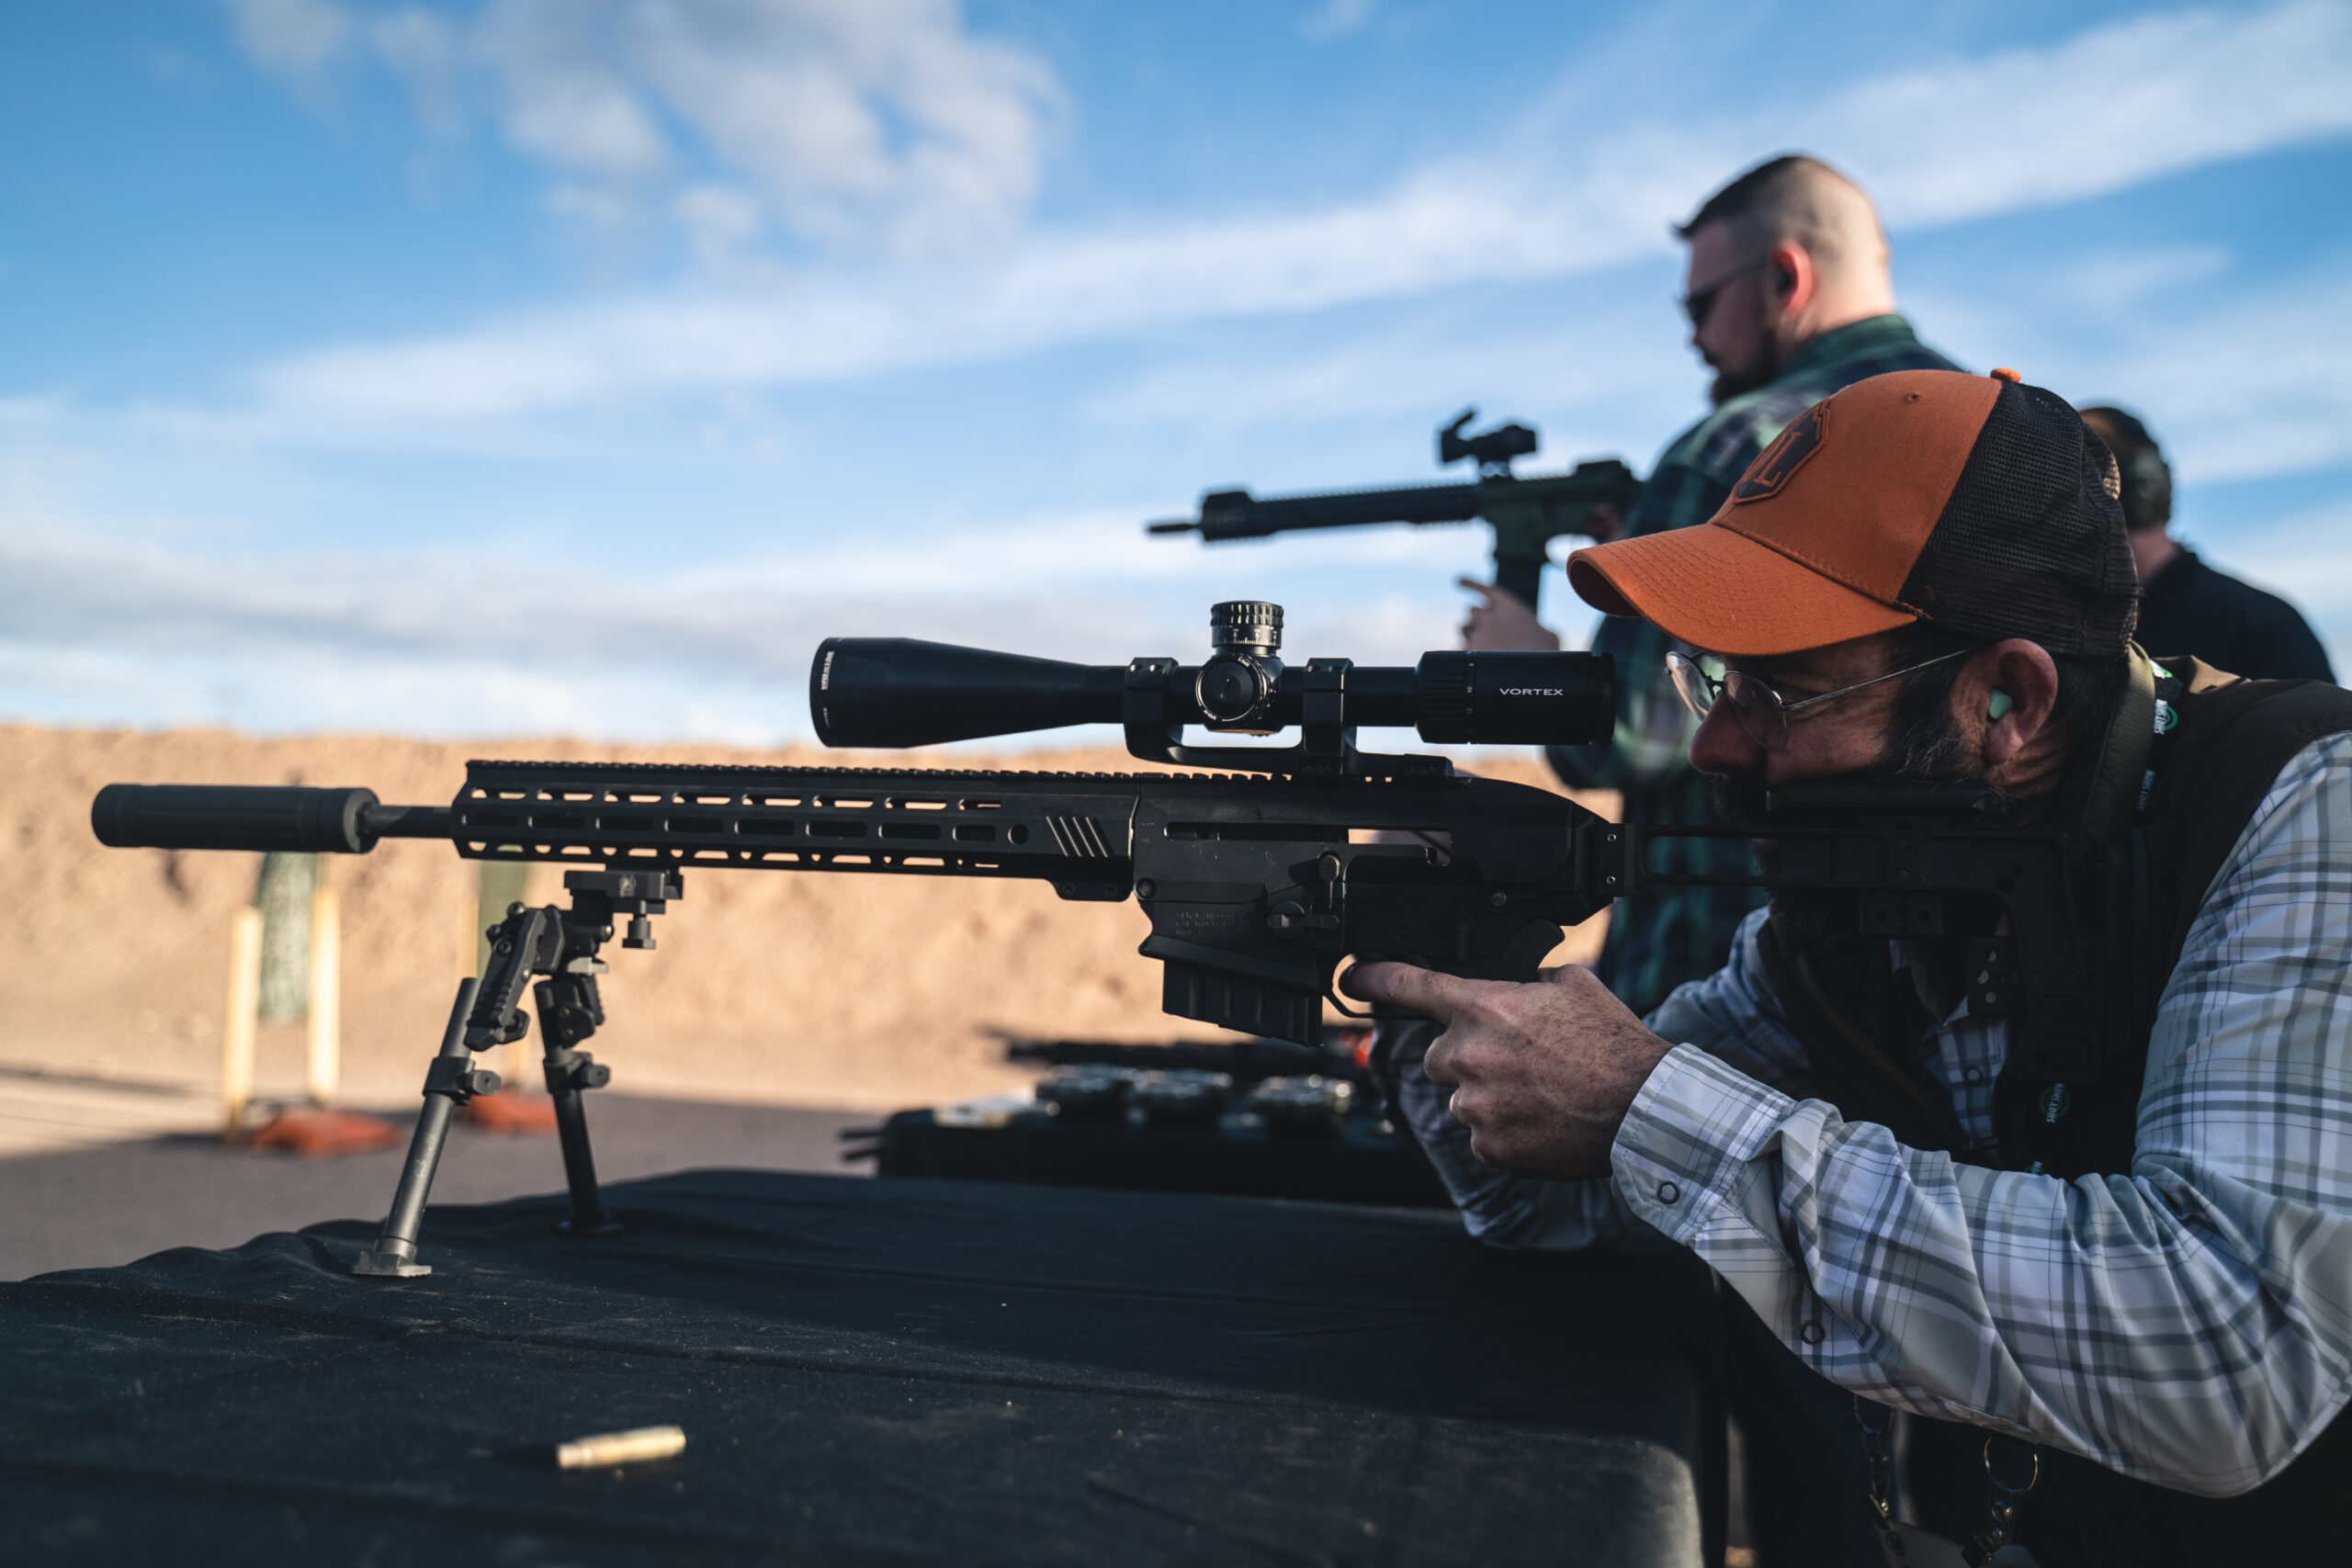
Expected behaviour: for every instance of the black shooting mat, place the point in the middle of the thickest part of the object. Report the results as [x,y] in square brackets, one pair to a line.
[1349,1164]
[869,1372]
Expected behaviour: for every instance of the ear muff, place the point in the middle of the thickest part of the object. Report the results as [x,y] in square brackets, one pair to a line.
[2147,490]
[1996,710]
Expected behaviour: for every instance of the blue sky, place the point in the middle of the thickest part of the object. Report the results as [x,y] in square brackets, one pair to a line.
[513,367]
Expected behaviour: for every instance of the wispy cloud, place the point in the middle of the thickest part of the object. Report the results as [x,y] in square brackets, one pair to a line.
[2119,282]
[301,40]
[2256,388]
[1335,19]
[2303,557]
[2009,130]
[2238,382]
[2104,110]
[870,124]
[1591,358]
[195,563]
[427,643]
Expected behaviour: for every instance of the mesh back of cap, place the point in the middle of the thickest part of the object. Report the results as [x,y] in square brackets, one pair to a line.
[2031,544]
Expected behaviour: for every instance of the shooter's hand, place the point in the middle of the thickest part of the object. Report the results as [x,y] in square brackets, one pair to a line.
[1504,623]
[1542,1073]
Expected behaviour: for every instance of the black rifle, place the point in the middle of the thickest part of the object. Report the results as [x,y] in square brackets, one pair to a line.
[1526,514]
[1255,887]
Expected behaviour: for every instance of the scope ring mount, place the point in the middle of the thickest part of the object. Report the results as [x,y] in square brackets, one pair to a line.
[1237,687]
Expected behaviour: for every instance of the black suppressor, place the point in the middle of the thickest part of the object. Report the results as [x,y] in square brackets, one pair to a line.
[245,817]
[890,692]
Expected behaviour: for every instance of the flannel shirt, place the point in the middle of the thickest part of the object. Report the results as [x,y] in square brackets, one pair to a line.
[1665,936]
[2188,1322]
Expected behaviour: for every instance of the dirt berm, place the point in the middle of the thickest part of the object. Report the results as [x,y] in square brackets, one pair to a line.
[869,992]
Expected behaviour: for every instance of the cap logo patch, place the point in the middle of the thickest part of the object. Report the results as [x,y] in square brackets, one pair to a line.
[1787,454]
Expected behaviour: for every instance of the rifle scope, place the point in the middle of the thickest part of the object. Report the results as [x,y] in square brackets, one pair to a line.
[891,691]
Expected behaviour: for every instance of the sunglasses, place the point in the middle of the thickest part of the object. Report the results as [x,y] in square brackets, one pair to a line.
[1763,714]
[1700,300]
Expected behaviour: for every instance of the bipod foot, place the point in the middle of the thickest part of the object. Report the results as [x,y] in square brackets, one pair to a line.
[449,1081]
[606,1226]
[395,1261]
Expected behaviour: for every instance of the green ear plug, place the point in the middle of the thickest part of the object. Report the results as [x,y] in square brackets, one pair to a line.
[2000,705]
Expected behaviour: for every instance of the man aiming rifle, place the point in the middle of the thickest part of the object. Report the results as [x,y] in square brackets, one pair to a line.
[2147,1270]
[1789,297]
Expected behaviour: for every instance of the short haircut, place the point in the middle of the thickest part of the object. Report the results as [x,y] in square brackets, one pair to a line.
[1795,198]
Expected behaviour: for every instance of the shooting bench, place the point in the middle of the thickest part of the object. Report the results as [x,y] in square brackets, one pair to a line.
[873,1372]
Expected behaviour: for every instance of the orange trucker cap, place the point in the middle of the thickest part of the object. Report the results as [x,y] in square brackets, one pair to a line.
[1973,501]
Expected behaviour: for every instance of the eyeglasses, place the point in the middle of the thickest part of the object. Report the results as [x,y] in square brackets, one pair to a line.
[1700,300]
[1763,714]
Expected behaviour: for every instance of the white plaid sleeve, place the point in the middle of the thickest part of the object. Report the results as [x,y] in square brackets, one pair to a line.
[1731,1011]
[2189,1324]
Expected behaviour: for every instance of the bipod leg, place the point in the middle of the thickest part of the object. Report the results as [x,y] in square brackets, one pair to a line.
[588,1216]
[571,1010]
[568,1011]
[449,1083]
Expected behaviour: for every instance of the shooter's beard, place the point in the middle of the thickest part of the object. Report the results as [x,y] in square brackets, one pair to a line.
[1731,380]
[1932,750]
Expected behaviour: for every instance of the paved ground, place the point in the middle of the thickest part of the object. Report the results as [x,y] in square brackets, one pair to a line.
[42,1113]
[96,1173]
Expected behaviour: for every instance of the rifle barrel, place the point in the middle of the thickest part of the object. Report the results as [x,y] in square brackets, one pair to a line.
[1237,514]
[410,821]
[1562,501]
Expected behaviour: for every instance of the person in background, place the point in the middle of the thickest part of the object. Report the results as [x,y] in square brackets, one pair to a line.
[1789,299]
[2186,607]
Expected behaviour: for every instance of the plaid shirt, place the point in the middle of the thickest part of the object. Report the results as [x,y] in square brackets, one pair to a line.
[1665,936]
[2188,1324]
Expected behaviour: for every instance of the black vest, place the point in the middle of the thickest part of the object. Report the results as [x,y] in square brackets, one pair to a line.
[2206,779]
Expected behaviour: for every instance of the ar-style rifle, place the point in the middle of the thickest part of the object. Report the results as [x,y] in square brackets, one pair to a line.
[1257,878]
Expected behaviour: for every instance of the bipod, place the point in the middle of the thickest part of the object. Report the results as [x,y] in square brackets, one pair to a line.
[561,944]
